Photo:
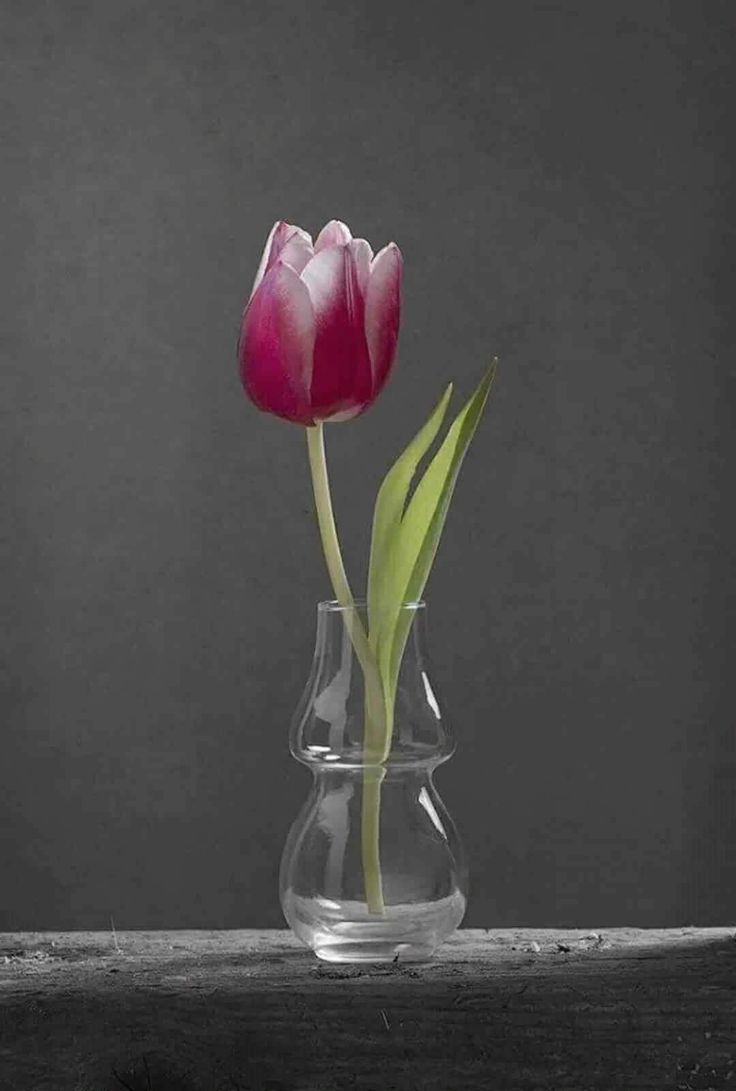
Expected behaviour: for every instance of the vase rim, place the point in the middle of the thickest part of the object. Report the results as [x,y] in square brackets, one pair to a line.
[332,606]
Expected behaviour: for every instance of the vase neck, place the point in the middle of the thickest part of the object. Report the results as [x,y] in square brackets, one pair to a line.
[341,629]
[329,726]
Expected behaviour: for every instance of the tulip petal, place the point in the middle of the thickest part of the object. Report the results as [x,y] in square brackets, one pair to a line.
[383,312]
[276,345]
[281,236]
[362,256]
[261,272]
[334,233]
[342,378]
[345,414]
[296,252]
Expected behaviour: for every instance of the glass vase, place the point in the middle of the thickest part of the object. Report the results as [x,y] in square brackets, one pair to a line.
[372,869]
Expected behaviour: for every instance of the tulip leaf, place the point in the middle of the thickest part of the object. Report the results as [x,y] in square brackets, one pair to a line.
[389,509]
[411,545]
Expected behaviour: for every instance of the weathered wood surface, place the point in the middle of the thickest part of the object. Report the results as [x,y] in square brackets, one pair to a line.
[255,1011]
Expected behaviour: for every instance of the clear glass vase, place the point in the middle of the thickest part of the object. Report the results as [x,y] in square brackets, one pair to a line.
[373,869]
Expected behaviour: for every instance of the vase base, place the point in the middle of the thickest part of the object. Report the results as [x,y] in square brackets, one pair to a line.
[346,931]
[374,952]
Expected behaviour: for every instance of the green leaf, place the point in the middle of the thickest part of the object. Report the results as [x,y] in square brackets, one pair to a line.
[414,542]
[388,511]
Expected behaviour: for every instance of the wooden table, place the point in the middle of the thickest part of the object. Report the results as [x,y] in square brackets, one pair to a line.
[255,1011]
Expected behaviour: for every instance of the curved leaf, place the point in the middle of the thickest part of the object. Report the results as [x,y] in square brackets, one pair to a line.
[388,511]
[415,541]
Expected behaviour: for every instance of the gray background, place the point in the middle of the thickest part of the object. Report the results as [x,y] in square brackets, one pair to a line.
[559,178]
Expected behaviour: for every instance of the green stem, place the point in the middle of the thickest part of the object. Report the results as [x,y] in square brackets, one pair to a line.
[376,723]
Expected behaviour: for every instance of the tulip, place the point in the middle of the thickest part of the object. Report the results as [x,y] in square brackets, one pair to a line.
[319,333]
[317,343]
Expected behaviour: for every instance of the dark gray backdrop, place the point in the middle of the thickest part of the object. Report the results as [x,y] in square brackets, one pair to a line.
[559,178]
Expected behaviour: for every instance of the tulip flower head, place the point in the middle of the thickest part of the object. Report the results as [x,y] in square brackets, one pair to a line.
[319,333]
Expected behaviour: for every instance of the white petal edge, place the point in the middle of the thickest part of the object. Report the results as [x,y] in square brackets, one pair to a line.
[325,277]
[385,266]
[293,232]
[264,258]
[362,256]
[334,233]
[296,252]
[347,414]
[390,247]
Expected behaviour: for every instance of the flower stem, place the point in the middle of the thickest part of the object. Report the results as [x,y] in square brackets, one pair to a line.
[376,721]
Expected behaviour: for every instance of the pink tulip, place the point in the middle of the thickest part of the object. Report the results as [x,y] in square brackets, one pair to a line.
[319,333]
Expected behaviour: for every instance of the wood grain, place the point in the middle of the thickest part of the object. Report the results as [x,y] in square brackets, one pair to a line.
[255,1011]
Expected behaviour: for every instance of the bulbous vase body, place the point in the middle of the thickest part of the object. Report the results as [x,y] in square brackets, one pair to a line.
[373,869]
